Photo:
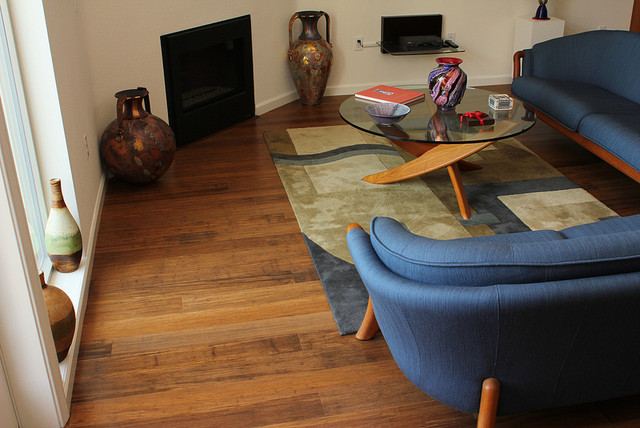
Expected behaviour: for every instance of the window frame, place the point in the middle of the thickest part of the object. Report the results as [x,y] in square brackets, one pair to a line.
[21,140]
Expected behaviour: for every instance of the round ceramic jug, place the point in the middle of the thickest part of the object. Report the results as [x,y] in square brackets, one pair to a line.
[310,57]
[447,83]
[137,146]
[62,317]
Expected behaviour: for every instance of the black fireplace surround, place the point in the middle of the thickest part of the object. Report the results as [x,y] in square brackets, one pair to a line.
[208,76]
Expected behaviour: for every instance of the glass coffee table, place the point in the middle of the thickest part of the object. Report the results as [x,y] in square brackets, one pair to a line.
[438,138]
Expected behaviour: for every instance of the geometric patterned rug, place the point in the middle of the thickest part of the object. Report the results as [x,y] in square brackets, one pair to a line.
[321,169]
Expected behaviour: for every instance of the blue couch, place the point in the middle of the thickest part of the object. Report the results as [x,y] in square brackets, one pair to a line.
[587,86]
[507,323]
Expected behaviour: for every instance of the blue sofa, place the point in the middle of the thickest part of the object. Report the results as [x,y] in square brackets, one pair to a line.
[507,323]
[587,86]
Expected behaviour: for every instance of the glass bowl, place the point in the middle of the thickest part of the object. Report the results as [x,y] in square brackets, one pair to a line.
[387,113]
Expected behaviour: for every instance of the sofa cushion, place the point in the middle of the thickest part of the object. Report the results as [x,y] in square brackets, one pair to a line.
[619,134]
[569,102]
[607,59]
[474,262]
[521,237]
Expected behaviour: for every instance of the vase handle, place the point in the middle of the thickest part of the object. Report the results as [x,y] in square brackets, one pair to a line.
[120,108]
[147,103]
[327,20]
[293,18]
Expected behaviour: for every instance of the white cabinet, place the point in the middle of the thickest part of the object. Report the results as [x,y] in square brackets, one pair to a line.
[530,31]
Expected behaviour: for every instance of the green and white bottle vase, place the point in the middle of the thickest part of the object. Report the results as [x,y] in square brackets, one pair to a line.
[62,235]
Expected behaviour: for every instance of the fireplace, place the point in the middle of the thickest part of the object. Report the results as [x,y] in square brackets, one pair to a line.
[208,76]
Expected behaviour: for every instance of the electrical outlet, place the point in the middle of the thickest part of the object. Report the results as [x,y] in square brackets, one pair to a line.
[602,27]
[359,45]
[451,36]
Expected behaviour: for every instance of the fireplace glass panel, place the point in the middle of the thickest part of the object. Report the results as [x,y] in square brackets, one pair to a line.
[210,74]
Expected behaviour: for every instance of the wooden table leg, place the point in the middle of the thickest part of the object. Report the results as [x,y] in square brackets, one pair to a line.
[454,175]
[444,155]
[468,166]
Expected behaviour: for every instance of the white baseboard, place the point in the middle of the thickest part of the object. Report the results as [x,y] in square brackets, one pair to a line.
[275,102]
[68,366]
[287,97]
[351,89]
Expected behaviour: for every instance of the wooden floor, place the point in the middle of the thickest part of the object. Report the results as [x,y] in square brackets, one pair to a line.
[205,308]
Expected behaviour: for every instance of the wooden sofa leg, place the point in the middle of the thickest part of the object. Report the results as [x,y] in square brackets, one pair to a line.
[489,403]
[369,326]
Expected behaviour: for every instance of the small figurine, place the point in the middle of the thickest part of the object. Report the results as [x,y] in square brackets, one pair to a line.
[541,13]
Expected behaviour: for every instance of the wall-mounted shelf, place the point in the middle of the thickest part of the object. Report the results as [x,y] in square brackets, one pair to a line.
[392,49]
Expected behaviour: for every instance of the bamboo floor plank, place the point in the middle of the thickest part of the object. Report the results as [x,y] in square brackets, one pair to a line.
[223,363]
[254,305]
[250,391]
[205,309]
[407,415]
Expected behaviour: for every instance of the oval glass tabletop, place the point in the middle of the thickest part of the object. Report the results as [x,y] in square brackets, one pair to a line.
[426,124]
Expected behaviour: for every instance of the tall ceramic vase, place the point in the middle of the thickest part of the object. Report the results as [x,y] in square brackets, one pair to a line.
[137,146]
[62,236]
[310,57]
[447,83]
[62,317]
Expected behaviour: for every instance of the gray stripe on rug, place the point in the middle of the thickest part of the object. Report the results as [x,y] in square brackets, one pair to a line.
[343,287]
[334,155]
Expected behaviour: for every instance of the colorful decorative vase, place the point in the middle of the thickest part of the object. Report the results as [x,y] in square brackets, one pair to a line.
[447,83]
[137,146]
[62,236]
[310,57]
[62,317]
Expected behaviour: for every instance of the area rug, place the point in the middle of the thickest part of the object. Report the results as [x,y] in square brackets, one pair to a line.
[321,169]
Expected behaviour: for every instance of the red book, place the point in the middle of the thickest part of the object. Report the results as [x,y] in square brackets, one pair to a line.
[389,94]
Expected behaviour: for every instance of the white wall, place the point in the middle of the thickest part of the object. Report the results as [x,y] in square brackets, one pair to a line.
[483,28]
[38,79]
[581,15]
[58,92]
[123,41]
[74,88]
